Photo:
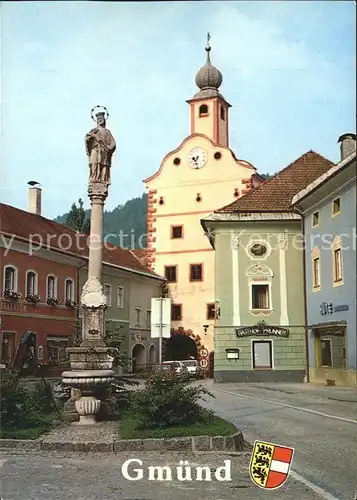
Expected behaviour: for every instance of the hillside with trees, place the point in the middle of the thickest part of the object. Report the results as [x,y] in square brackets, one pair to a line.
[125,225]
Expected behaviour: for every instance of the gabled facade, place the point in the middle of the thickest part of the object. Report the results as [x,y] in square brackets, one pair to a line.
[39,287]
[328,207]
[192,181]
[259,334]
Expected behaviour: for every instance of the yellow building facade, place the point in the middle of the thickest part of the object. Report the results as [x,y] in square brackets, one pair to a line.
[201,175]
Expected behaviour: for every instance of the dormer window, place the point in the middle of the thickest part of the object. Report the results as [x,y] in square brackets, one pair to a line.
[203,111]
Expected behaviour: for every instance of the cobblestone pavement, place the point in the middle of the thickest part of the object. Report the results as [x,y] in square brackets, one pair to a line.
[58,476]
[104,432]
[320,424]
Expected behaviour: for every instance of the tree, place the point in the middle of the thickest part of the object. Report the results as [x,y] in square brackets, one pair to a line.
[267,176]
[128,220]
[78,219]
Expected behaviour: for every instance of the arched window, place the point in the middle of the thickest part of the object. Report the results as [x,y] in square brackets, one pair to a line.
[223,113]
[203,111]
[69,289]
[31,283]
[51,287]
[10,279]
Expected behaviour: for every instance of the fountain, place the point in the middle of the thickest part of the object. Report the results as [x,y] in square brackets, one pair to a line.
[91,363]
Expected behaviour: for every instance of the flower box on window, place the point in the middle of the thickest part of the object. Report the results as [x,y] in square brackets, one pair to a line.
[52,301]
[33,298]
[11,294]
[70,303]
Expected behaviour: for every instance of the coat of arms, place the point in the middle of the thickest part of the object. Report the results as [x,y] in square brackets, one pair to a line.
[270,464]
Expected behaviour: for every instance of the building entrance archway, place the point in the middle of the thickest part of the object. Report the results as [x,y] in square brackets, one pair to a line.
[189,342]
[180,347]
[138,356]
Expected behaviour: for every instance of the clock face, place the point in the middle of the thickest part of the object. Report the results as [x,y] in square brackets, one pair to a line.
[197,158]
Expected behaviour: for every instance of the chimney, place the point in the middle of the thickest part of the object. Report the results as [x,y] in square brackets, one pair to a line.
[34,206]
[348,144]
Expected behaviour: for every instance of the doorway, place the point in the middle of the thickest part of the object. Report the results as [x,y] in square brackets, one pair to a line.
[180,347]
[7,348]
[152,355]
[138,357]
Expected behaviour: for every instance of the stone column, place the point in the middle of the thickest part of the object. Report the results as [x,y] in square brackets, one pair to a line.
[91,363]
[93,299]
[97,193]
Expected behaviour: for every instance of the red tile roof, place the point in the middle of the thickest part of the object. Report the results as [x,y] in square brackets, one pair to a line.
[276,194]
[141,254]
[52,235]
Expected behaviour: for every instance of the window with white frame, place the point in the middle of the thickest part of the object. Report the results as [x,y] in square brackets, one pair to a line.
[336,206]
[69,289]
[138,316]
[260,296]
[316,272]
[31,283]
[337,255]
[10,279]
[51,287]
[108,294]
[315,219]
[120,297]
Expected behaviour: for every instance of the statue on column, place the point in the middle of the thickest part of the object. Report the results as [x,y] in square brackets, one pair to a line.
[100,146]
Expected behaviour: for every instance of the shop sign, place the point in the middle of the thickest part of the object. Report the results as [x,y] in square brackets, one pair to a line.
[261,329]
[343,307]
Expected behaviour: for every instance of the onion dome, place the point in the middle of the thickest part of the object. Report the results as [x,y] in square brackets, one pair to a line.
[209,78]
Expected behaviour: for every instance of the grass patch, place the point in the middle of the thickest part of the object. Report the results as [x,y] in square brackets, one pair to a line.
[44,425]
[129,428]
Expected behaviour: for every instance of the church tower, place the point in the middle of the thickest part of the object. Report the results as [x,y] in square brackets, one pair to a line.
[199,176]
[208,108]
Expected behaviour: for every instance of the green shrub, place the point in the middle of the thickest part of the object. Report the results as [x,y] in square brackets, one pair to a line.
[169,400]
[42,392]
[23,407]
[11,399]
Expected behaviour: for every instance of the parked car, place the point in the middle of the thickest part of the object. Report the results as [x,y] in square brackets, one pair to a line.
[166,366]
[191,366]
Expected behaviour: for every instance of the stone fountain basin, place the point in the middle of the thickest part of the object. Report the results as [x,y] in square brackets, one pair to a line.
[88,378]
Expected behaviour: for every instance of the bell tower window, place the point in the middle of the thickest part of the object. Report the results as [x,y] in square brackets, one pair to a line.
[223,113]
[203,110]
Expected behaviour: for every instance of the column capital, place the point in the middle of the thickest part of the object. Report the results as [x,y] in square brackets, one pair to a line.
[282,241]
[98,191]
[92,294]
[234,241]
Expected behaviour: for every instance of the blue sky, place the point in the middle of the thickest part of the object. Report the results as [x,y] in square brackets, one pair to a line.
[288,70]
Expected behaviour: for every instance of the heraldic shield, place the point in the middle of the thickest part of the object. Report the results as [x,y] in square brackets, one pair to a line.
[270,464]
